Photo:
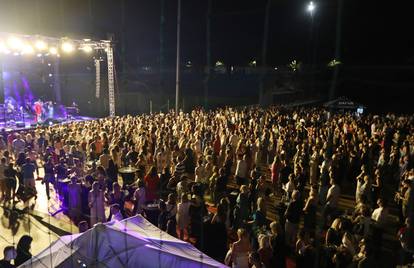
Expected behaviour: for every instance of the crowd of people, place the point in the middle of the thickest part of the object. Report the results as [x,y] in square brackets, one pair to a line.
[213,178]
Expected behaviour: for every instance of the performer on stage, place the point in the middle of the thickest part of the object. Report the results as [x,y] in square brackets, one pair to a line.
[50,109]
[38,107]
[10,108]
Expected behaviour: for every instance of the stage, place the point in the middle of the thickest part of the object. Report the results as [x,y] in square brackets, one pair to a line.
[30,122]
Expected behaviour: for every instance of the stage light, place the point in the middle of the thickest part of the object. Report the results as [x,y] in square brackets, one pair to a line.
[53,50]
[15,43]
[3,47]
[67,47]
[50,75]
[28,49]
[87,48]
[40,45]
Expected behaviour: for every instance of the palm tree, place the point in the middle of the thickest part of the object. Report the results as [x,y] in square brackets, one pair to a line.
[295,65]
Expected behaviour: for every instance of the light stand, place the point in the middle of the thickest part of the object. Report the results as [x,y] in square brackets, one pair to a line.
[111,88]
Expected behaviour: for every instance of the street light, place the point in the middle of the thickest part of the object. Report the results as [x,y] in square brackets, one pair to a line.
[311,8]
[312,51]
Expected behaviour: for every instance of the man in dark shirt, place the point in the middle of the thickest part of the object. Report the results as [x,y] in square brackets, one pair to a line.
[132,155]
[61,171]
[292,215]
[9,254]
[221,185]
[163,216]
[285,172]
[49,175]
[28,170]
[42,143]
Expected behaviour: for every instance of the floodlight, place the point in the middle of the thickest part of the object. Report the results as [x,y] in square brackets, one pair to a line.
[311,7]
[3,47]
[27,49]
[41,45]
[53,50]
[87,48]
[67,47]
[15,43]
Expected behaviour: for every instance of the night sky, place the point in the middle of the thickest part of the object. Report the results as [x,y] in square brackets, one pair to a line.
[373,32]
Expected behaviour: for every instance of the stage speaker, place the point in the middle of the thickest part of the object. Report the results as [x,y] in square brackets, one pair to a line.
[20,124]
[51,121]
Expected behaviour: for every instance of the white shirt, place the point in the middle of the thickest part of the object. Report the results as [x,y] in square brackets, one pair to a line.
[241,169]
[380,216]
[18,146]
[289,187]
[234,139]
[200,174]
[140,199]
[333,195]
[117,217]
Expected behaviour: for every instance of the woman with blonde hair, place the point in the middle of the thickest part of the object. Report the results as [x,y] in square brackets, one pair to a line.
[277,243]
[310,209]
[333,235]
[241,210]
[183,214]
[238,254]
[96,202]
[265,251]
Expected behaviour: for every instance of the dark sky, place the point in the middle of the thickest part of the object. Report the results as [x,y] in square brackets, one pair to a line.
[373,32]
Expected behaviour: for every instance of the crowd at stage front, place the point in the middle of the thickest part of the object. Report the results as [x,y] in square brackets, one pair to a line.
[249,187]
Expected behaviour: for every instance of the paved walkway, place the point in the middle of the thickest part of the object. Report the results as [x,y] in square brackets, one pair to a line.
[37,222]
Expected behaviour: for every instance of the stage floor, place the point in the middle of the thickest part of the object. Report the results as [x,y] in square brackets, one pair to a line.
[30,122]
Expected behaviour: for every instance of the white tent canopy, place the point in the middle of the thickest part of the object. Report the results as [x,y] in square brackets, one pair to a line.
[133,242]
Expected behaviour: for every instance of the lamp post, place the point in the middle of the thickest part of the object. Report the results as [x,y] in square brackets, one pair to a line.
[177,77]
[310,8]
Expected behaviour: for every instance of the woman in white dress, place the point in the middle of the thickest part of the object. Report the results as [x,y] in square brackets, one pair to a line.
[96,204]
[313,167]
[240,250]
[183,214]
[139,198]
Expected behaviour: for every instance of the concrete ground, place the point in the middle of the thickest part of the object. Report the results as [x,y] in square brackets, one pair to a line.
[36,222]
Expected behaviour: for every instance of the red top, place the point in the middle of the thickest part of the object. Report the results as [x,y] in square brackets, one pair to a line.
[151,187]
[275,172]
[217,146]
[38,108]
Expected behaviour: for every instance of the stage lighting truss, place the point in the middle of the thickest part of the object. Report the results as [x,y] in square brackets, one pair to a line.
[18,44]
[39,46]
[98,77]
